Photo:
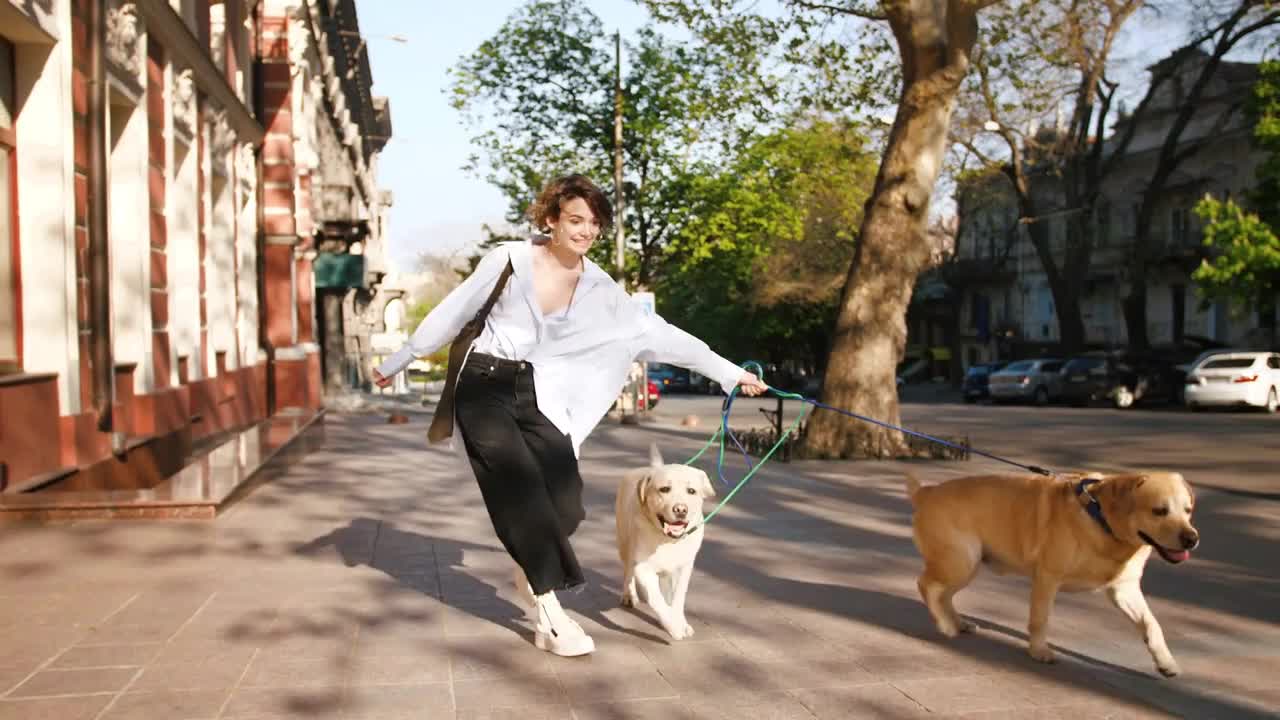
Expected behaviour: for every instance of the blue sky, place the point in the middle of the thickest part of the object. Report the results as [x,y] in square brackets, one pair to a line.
[438,206]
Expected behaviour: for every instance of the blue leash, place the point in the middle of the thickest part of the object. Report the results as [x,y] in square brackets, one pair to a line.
[964,448]
[727,406]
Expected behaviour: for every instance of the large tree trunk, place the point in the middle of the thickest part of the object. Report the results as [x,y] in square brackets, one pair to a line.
[935,38]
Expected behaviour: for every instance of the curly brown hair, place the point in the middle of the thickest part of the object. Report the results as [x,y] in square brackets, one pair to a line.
[563,189]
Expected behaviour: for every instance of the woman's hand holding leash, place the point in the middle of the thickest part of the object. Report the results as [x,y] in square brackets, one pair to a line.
[751,385]
[379,380]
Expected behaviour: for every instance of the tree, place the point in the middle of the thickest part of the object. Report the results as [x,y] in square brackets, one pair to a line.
[1195,65]
[1036,57]
[539,94]
[1245,267]
[757,270]
[1244,264]
[934,42]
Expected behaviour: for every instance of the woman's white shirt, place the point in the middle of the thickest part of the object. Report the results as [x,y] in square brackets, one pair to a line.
[581,355]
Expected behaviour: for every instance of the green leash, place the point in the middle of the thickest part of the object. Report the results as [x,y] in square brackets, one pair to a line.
[723,431]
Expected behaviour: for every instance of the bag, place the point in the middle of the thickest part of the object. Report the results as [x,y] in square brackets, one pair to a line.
[442,422]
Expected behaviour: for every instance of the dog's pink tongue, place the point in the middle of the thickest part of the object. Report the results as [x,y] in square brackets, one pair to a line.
[1179,555]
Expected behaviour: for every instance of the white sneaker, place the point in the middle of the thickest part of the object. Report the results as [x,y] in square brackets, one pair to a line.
[556,632]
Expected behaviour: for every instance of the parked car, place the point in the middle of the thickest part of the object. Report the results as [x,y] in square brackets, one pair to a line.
[1237,378]
[1121,378]
[1036,380]
[670,377]
[976,385]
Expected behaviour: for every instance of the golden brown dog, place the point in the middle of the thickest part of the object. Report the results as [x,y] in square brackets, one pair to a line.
[1087,532]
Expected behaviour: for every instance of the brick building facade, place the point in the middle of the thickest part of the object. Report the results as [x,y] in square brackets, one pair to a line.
[156,287]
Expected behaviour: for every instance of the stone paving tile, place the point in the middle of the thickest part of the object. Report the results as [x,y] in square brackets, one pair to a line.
[1075,711]
[91,656]
[511,692]
[415,669]
[879,700]
[214,671]
[280,703]
[648,709]
[270,671]
[969,693]
[766,706]
[167,705]
[418,702]
[74,682]
[506,658]
[68,708]
[532,712]
[585,687]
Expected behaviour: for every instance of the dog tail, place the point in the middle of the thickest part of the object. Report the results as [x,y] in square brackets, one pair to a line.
[913,487]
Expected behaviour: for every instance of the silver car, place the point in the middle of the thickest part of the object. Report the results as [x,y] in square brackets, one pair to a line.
[1036,380]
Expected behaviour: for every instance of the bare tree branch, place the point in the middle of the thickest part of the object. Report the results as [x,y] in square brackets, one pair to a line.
[840,10]
[983,158]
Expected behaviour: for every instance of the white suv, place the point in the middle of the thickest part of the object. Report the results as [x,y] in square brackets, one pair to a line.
[1237,378]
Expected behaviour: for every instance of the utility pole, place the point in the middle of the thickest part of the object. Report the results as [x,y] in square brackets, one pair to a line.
[619,261]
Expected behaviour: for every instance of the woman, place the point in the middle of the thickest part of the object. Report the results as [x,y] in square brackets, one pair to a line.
[553,355]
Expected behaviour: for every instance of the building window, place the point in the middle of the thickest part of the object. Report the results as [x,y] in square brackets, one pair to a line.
[1102,218]
[1180,227]
[10,287]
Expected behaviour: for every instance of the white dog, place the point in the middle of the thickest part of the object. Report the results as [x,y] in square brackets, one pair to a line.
[659,516]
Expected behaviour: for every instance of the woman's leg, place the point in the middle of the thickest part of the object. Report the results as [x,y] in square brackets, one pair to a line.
[554,453]
[514,485]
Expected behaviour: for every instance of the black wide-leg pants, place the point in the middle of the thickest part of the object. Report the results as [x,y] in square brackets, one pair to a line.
[526,468]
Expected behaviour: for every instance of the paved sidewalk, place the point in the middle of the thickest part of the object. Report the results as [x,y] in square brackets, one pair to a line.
[362,580]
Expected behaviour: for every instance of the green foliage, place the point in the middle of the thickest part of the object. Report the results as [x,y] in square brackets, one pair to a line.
[757,272]
[413,317]
[1244,262]
[540,96]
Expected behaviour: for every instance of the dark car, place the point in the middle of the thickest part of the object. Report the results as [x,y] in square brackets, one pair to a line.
[670,378]
[976,385]
[1122,379]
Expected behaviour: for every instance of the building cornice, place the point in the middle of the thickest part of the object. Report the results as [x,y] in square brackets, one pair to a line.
[168,27]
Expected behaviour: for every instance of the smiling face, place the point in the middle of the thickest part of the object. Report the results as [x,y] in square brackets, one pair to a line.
[1155,508]
[576,227]
[672,495]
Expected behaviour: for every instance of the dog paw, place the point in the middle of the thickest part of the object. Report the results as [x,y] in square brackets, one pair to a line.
[1169,668]
[626,600]
[948,628]
[678,629]
[681,633]
[965,626]
[1041,653]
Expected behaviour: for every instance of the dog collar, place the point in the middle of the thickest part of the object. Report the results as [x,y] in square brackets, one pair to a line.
[1094,508]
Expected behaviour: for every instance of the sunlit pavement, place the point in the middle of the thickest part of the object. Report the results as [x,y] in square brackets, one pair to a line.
[363,580]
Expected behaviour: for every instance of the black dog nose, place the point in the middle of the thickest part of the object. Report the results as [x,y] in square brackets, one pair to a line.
[681,510]
[1190,539]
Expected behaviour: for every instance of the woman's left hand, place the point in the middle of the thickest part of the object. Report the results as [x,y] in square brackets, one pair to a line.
[750,385]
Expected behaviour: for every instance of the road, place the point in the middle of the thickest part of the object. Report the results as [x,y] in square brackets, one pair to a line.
[1229,450]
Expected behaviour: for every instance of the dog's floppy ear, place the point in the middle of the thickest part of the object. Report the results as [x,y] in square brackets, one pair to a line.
[643,487]
[1124,486]
[707,489]
[655,457]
